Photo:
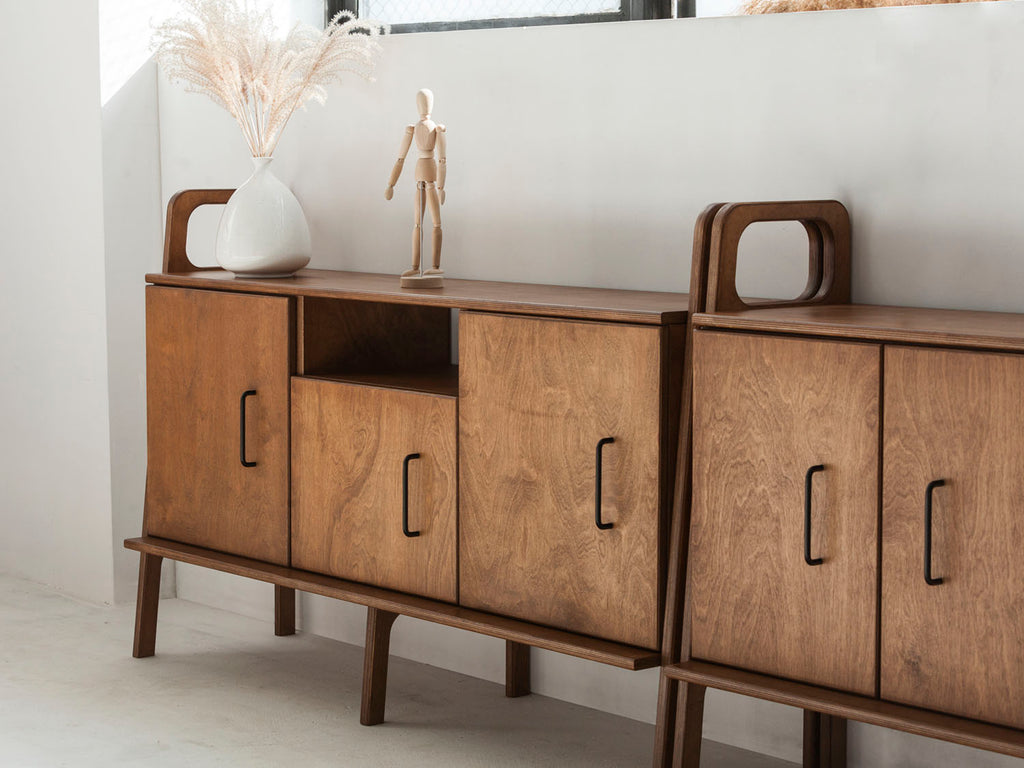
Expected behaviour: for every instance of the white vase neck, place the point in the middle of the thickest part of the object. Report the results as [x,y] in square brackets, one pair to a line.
[258,163]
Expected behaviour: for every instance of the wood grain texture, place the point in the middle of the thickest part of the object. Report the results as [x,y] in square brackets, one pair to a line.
[827,224]
[672,641]
[589,648]
[348,447]
[957,647]
[375,665]
[203,351]
[689,725]
[147,605]
[536,396]
[517,670]
[824,741]
[911,325]
[765,410]
[179,210]
[676,632]
[284,611]
[970,733]
[443,380]
[645,307]
[342,336]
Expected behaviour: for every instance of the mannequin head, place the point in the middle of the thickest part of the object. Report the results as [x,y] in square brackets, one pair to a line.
[425,102]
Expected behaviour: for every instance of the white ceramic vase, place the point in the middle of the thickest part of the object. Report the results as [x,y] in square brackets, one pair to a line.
[263,232]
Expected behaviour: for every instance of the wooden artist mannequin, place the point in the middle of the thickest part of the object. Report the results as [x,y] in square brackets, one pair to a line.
[430,176]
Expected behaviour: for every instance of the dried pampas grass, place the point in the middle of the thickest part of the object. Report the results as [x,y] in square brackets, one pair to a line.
[227,51]
[792,6]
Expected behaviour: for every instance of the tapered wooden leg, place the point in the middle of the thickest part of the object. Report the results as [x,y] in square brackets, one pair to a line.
[824,741]
[665,730]
[517,669]
[284,611]
[689,725]
[146,604]
[375,665]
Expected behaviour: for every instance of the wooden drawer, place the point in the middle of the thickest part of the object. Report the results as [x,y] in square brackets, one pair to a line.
[958,645]
[204,351]
[536,398]
[766,410]
[350,445]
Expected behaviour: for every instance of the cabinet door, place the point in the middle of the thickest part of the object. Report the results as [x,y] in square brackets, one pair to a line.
[957,646]
[766,410]
[536,398]
[349,450]
[204,350]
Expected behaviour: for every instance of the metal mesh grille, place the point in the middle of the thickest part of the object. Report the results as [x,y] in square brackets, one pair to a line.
[425,11]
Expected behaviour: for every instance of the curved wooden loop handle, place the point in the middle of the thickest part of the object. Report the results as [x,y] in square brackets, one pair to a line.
[827,223]
[179,210]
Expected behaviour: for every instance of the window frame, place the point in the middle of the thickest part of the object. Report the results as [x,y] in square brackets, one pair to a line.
[631,10]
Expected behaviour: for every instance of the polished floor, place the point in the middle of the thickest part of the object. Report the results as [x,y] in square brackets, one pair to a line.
[223,691]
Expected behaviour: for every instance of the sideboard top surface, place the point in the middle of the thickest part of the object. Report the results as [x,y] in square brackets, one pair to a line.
[649,307]
[908,325]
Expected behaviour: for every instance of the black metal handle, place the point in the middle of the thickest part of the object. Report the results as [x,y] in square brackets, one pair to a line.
[597,484]
[808,478]
[928,532]
[405,496]
[241,432]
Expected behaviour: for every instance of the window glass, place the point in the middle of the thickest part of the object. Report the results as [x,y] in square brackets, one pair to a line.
[425,11]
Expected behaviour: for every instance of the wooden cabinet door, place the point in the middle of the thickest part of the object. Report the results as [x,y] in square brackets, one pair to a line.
[766,410]
[957,646]
[349,450]
[204,350]
[536,398]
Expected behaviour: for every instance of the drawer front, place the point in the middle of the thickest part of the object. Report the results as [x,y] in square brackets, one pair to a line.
[204,350]
[766,410]
[958,645]
[537,396]
[349,468]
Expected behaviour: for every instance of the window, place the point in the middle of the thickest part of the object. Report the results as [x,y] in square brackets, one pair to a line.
[426,15]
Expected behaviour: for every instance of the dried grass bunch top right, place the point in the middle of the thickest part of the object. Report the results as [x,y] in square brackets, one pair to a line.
[794,6]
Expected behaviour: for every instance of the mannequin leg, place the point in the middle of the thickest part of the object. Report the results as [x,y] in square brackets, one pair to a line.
[417,232]
[435,218]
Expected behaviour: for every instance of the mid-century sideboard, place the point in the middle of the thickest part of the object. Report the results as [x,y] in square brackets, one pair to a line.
[318,433]
[856,539]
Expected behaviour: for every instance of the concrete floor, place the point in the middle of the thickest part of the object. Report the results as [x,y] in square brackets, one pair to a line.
[223,691]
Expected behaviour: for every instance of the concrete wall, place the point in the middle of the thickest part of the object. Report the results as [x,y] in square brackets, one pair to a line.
[54,443]
[582,155]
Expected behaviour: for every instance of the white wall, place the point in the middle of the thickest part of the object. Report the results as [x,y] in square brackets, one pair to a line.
[54,444]
[133,243]
[582,155]
[133,246]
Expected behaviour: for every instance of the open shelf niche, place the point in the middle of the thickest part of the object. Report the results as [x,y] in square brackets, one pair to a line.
[394,346]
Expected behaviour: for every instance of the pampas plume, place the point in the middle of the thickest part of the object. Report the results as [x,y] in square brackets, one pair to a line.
[228,50]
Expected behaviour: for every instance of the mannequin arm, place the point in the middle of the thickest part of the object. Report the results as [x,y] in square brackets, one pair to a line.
[400,162]
[442,160]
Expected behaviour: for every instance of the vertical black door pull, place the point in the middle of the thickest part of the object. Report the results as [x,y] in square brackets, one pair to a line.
[405,496]
[932,582]
[808,483]
[597,490]
[241,450]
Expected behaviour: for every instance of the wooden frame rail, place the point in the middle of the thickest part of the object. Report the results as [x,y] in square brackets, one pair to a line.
[398,603]
[933,725]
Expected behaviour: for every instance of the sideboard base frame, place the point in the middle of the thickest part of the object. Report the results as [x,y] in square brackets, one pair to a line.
[384,606]
[834,704]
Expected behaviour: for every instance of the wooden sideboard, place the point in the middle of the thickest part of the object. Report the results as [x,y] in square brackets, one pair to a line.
[322,433]
[855,534]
